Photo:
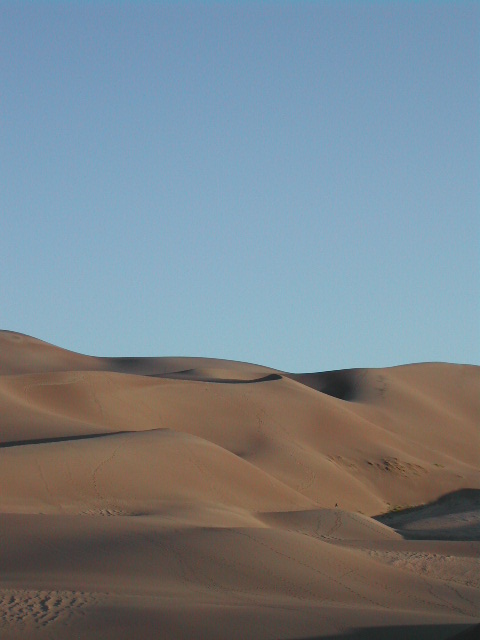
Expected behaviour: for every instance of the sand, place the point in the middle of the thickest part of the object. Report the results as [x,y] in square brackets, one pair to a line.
[197,498]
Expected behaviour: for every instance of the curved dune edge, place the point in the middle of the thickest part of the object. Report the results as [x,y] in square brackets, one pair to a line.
[203,498]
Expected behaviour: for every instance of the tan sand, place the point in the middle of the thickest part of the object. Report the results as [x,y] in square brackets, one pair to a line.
[196,498]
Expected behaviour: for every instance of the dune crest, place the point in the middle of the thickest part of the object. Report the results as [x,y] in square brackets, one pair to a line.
[195,498]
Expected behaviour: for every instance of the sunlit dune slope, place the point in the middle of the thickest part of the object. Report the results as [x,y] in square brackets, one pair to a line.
[202,498]
[404,435]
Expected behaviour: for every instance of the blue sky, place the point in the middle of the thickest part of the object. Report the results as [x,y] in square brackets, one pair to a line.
[288,183]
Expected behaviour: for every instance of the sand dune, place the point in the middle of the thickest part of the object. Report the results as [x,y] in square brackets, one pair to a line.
[202,498]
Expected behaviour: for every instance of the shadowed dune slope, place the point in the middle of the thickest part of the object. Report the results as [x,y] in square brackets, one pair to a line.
[195,497]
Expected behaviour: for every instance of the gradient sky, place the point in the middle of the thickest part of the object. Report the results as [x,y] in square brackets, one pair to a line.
[293,184]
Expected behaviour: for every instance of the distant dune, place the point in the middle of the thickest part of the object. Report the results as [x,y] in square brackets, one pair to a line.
[197,498]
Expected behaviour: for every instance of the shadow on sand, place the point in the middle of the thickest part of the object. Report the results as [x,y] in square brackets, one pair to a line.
[454,516]
[88,436]
[407,632]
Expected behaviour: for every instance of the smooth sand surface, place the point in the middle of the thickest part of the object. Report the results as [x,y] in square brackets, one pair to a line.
[196,498]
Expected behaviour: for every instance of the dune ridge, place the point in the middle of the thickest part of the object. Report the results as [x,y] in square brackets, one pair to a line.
[195,497]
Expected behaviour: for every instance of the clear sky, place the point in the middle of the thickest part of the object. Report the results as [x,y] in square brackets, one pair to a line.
[288,183]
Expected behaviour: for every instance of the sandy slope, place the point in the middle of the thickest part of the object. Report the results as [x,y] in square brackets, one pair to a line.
[199,498]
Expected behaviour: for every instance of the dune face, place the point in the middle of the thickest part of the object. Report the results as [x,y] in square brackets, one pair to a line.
[200,498]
